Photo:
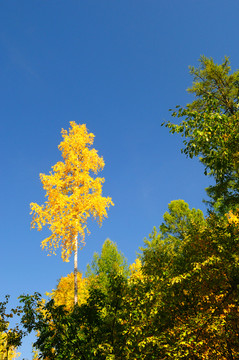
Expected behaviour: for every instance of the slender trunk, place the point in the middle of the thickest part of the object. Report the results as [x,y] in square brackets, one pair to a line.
[75,271]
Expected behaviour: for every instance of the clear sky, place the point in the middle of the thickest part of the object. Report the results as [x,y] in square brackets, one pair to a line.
[117,66]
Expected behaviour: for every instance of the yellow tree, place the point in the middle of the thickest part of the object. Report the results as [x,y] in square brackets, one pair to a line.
[64,292]
[6,352]
[73,194]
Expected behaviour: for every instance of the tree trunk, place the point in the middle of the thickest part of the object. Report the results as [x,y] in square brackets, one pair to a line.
[75,271]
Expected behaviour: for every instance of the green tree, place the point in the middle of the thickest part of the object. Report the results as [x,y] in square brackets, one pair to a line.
[108,274]
[165,244]
[10,338]
[91,330]
[110,262]
[179,219]
[210,127]
[194,291]
[63,334]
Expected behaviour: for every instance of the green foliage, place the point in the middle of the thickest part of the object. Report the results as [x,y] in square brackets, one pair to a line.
[210,127]
[197,286]
[93,329]
[10,338]
[179,219]
[109,263]
[165,245]
[182,303]
[214,82]
[89,331]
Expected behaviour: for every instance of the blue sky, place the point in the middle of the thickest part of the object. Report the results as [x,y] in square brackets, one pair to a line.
[117,66]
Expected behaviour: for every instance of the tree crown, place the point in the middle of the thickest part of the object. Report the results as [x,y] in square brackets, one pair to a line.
[210,128]
[73,192]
